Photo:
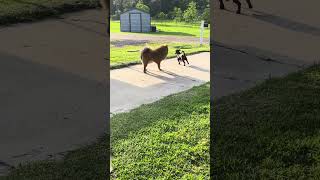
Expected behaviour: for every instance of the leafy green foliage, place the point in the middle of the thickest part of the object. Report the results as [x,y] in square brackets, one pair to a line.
[178,15]
[162,16]
[142,6]
[191,14]
[157,6]
[206,15]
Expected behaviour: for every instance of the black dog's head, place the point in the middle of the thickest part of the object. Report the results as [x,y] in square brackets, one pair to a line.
[178,51]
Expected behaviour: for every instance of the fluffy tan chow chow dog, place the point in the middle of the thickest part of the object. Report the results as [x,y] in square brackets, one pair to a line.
[157,55]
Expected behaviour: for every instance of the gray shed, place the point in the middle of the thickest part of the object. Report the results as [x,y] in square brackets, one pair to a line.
[135,20]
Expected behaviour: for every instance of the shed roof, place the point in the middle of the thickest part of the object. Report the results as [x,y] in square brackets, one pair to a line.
[135,9]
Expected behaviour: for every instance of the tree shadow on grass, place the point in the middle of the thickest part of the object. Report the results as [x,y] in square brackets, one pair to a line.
[171,33]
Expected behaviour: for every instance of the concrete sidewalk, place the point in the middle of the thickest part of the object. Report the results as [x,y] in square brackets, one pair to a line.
[53,87]
[130,87]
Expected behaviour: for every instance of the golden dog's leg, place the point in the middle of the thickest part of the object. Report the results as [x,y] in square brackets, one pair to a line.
[145,67]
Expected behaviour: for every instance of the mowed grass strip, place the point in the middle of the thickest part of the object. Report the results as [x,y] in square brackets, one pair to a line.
[130,54]
[88,162]
[168,139]
[271,131]
[14,11]
[169,27]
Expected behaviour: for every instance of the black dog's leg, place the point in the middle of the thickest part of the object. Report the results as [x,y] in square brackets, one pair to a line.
[145,68]
[159,66]
[187,61]
[249,4]
[221,4]
[239,6]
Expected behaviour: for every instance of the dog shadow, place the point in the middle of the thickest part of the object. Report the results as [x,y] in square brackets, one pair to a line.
[167,79]
[199,68]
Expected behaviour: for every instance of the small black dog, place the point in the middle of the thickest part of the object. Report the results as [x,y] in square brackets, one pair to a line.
[181,57]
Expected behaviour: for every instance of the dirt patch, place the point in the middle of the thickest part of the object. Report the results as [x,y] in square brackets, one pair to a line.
[120,43]
[135,37]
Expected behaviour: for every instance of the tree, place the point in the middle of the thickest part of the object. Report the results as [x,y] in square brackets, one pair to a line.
[178,16]
[157,6]
[191,14]
[162,16]
[142,6]
[206,15]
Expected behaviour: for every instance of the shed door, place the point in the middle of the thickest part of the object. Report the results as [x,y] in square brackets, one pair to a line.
[135,22]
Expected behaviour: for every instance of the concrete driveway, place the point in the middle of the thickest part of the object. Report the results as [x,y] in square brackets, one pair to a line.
[130,87]
[53,87]
[272,40]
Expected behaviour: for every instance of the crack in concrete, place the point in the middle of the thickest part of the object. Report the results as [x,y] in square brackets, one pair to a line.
[232,78]
[33,152]
[267,59]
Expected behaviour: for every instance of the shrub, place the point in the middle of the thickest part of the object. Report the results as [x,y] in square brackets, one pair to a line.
[178,16]
[142,6]
[162,16]
[191,14]
[206,15]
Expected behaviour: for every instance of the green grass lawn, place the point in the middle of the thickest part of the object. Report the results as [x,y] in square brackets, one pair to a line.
[168,28]
[168,139]
[271,131]
[88,162]
[124,55]
[13,11]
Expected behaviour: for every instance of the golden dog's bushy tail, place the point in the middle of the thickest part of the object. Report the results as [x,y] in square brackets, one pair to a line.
[145,50]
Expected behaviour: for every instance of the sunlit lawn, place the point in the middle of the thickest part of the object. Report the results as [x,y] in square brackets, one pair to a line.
[169,28]
[131,54]
[168,139]
[13,11]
